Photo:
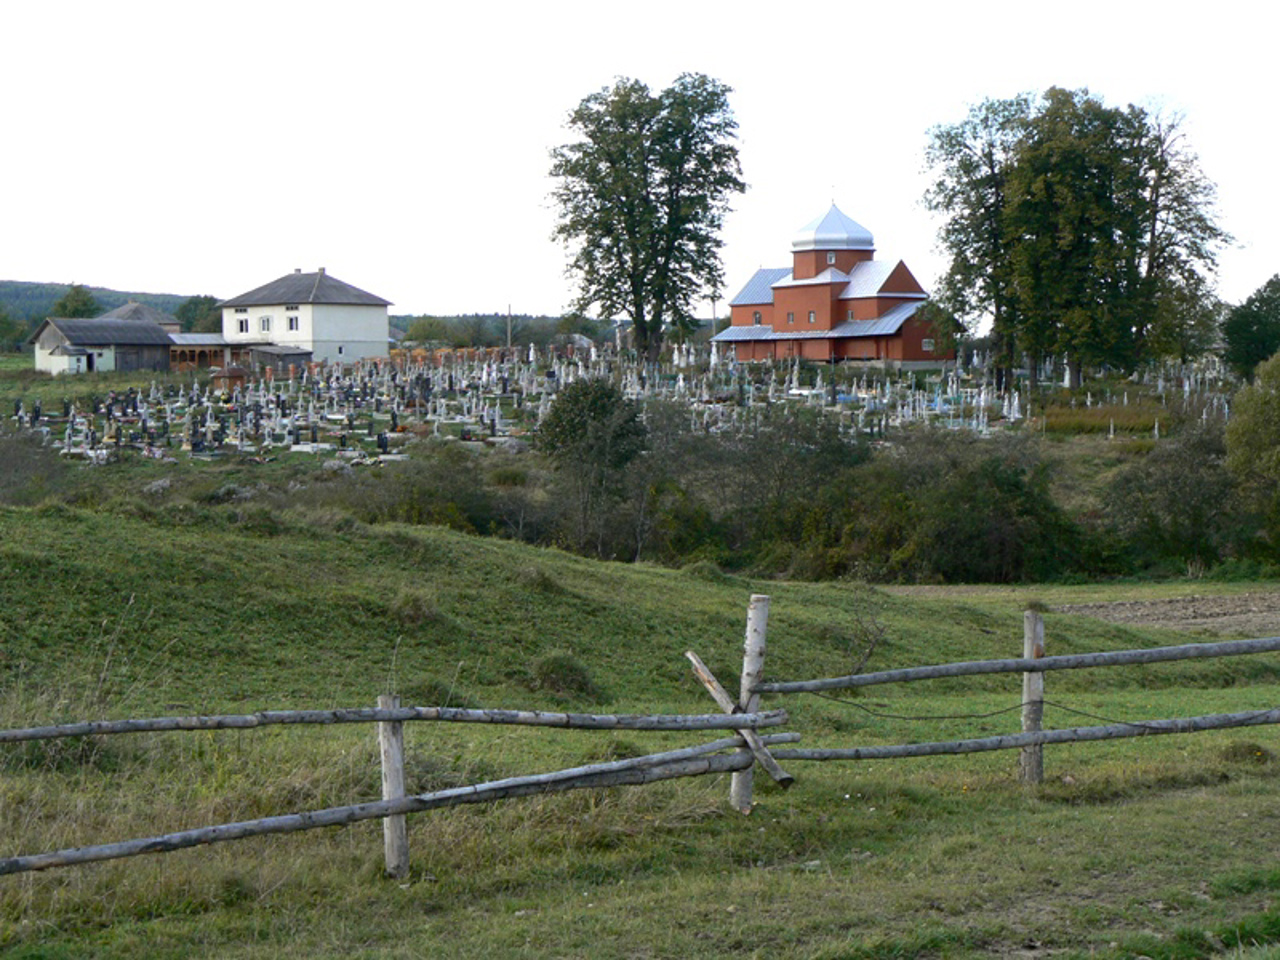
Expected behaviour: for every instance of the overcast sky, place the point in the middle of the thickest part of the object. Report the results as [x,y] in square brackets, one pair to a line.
[199,148]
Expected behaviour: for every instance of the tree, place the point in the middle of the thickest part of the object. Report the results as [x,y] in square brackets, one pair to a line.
[972,161]
[642,195]
[77,302]
[426,329]
[12,330]
[1253,445]
[1252,330]
[199,313]
[1075,226]
[591,433]
[1080,229]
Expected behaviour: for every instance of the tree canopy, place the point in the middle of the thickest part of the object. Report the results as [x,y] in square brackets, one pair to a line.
[200,313]
[77,302]
[642,194]
[1082,230]
[1251,331]
[592,433]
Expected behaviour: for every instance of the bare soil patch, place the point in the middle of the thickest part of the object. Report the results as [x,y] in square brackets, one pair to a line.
[1245,614]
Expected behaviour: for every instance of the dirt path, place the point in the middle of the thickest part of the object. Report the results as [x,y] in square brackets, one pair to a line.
[1245,614]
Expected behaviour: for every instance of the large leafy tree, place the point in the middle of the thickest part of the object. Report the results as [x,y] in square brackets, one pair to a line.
[77,302]
[1080,229]
[1075,224]
[971,161]
[1252,330]
[592,433]
[1253,447]
[642,193]
[199,313]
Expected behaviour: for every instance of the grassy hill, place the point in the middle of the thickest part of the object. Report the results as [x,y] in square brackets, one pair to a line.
[1164,847]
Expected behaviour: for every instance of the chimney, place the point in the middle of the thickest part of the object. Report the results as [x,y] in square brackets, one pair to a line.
[297,269]
[321,271]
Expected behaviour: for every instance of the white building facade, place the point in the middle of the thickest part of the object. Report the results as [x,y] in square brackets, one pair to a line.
[312,312]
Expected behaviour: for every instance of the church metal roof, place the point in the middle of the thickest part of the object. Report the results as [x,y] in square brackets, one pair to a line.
[833,231]
[883,326]
[759,288]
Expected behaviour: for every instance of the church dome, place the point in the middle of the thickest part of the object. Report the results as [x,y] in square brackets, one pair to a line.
[833,231]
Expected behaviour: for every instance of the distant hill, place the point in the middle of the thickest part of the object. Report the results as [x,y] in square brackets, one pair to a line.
[32,301]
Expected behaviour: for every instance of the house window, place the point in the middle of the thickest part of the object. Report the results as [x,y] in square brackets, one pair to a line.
[264,324]
[339,351]
[813,316]
[756,318]
[243,324]
[926,345]
[293,323]
[242,309]
[831,258]
[791,317]
[291,306]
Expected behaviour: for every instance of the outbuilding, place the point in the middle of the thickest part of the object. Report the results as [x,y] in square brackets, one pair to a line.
[63,345]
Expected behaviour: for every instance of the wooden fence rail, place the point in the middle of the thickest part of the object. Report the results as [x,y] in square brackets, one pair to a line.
[741,715]
[685,762]
[1077,661]
[1014,741]
[576,721]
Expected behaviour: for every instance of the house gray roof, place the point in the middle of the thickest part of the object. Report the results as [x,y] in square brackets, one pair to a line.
[867,279]
[100,332]
[759,288]
[833,231]
[882,326]
[299,287]
[138,311]
[829,275]
[198,339]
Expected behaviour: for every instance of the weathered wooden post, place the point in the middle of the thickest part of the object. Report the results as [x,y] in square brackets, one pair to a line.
[748,699]
[1031,759]
[395,833]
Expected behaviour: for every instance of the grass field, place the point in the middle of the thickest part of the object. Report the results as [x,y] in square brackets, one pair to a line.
[1163,847]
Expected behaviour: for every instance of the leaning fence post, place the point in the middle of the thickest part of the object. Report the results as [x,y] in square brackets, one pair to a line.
[748,699]
[395,834]
[1031,759]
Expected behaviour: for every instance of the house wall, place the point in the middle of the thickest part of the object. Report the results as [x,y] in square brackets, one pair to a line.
[912,336]
[819,298]
[744,315]
[810,263]
[46,362]
[347,333]
[331,332]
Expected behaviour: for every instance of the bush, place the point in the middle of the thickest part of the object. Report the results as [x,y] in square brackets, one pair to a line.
[565,675]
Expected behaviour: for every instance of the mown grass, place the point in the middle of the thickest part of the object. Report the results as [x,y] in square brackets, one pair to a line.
[1163,844]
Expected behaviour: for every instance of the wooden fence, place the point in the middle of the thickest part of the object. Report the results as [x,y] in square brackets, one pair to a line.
[747,746]
[1033,666]
[742,715]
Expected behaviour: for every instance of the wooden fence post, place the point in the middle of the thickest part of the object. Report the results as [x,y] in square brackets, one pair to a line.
[748,699]
[1031,759]
[395,833]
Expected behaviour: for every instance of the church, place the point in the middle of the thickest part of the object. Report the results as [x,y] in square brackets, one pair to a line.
[835,302]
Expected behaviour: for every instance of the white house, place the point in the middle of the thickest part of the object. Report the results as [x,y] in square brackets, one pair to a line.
[99,345]
[309,313]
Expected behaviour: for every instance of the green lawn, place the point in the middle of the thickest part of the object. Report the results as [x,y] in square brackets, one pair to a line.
[1164,847]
